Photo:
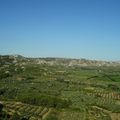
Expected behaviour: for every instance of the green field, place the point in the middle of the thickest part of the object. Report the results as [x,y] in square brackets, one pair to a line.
[33,91]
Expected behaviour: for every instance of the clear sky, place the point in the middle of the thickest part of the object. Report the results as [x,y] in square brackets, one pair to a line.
[61,28]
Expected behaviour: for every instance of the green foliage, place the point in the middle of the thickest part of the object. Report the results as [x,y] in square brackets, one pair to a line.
[70,90]
[45,101]
[4,75]
[1,107]
[2,91]
[113,87]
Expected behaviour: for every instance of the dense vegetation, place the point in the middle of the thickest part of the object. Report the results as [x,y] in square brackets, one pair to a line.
[32,91]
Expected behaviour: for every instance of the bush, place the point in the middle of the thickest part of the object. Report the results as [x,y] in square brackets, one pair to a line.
[4,75]
[113,87]
[1,107]
[43,100]
[3,91]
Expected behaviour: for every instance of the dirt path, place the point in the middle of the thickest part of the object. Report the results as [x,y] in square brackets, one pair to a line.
[104,110]
[46,114]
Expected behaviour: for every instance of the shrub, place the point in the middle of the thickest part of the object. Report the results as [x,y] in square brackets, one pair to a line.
[43,100]
[1,106]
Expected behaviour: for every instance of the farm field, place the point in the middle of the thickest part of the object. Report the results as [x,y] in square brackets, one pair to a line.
[31,89]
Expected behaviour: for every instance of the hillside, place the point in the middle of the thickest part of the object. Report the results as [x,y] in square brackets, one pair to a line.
[58,89]
[14,59]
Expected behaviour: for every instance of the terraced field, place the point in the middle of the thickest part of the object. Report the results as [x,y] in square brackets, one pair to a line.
[26,110]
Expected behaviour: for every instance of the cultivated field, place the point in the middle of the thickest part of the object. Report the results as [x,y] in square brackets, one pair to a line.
[31,89]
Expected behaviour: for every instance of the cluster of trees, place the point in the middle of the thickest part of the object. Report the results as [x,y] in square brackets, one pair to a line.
[113,87]
[44,100]
[8,93]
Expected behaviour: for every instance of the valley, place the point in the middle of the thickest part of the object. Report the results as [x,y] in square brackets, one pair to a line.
[59,89]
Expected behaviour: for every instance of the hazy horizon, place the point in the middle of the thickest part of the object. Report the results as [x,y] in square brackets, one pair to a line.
[64,28]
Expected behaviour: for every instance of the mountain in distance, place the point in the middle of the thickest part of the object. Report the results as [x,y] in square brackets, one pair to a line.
[10,59]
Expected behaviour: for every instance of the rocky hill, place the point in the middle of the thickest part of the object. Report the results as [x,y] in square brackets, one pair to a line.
[18,59]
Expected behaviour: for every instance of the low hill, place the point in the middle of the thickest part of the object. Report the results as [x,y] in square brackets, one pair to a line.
[15,59]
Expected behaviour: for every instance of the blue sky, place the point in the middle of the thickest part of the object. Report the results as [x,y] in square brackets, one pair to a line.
[61,28]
